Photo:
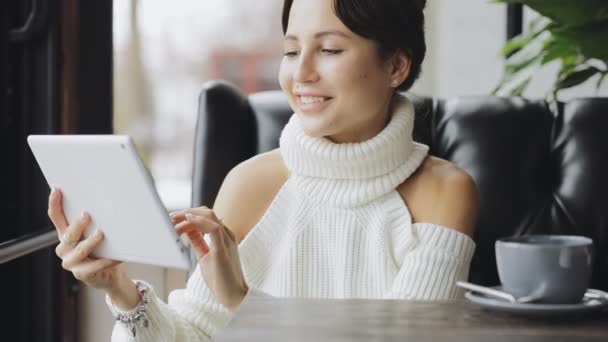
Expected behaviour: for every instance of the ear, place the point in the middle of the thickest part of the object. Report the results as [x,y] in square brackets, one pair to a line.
[400,66]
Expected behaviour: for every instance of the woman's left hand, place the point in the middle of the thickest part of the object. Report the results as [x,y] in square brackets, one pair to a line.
[219,262]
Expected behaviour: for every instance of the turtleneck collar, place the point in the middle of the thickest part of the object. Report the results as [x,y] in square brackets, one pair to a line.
[353,174]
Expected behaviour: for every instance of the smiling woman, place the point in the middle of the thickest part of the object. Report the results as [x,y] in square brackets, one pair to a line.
[349,206]
[350,68]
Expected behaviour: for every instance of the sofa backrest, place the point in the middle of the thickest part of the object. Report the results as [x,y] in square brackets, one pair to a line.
[541,168]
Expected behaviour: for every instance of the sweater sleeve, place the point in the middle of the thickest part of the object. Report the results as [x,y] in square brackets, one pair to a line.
[192,314]
[439,257]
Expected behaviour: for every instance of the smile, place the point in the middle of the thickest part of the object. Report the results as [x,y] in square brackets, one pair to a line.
[313,103]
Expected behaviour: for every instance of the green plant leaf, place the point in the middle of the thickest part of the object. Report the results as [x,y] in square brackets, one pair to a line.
[559,49]
[515,44]
[568,12]
[591,39]
[521,66]
[515,81]
[573,78]
[528,54]
[572,31]
[536,27]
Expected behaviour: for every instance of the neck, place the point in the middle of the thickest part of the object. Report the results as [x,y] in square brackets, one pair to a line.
[353,173]
[368,129]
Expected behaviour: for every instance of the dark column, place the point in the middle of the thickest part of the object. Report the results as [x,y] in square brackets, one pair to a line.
[515,15]
[55,77]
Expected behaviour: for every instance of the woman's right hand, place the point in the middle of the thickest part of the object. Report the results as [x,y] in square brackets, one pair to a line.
[75,252]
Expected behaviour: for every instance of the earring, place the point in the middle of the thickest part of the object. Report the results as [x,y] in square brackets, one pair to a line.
[395,83]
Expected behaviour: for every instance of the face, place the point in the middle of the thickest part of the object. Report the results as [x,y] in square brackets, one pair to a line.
[334,79]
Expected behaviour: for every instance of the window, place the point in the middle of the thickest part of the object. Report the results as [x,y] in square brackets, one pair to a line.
[164,53]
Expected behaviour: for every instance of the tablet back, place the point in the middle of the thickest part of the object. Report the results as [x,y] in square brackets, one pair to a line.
[104,175]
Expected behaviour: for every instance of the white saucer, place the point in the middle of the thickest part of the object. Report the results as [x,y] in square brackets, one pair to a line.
[587,305]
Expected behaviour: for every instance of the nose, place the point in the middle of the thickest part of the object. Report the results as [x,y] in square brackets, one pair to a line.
[305,70]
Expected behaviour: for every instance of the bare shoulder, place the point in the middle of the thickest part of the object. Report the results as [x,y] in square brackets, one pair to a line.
[442,193]
[248,190]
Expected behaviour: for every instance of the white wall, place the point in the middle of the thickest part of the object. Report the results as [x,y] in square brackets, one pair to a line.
[464,39]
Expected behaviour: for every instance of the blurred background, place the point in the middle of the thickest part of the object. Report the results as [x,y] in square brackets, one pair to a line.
[164,52]
[136,67]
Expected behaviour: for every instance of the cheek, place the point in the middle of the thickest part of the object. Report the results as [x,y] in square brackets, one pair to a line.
[350,74]
[363,76]
[284,77]
[363,81]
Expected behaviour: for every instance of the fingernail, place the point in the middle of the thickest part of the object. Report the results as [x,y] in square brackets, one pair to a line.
[172,214]
[98,233]
[84,215]
[189,217]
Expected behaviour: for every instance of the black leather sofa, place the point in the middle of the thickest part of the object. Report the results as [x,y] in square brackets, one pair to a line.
[541,168]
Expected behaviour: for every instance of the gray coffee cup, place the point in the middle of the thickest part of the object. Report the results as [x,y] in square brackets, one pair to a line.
[553,268]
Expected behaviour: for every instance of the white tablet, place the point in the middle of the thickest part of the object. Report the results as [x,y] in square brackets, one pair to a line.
[104,175]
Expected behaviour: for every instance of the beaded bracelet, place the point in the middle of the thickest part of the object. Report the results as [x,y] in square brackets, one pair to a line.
[130,319]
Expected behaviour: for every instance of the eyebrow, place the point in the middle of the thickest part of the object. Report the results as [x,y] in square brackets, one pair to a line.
[321,34]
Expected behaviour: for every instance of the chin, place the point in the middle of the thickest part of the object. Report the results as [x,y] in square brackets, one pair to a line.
[315,126]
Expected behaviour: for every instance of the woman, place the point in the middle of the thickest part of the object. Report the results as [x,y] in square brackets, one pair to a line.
[348,206]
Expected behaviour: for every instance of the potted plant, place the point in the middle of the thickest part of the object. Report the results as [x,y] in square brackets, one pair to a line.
[573,32]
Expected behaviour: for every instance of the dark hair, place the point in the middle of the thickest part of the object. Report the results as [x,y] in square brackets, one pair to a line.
[395,25]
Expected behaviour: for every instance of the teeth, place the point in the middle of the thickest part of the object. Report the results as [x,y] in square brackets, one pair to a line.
[311,99]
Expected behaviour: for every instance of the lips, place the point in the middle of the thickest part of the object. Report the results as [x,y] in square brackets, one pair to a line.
[312,102]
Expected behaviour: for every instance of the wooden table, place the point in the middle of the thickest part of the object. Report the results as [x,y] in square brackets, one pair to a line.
[281,319]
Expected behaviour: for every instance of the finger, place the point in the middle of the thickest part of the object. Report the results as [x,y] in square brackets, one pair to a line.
[55,211]
[201,211]
[198,243]
[179,216]
[81,252]
[226,238]
[209,214]
[62,249]
[195,237]
[91,269]
[206,225]
[193,233]
[229,232]
[74,231]
[197,223]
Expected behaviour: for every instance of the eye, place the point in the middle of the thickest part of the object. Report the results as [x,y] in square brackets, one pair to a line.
[290,53]
[331,51]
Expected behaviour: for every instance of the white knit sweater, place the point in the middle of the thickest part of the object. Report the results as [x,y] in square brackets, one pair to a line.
[336,229]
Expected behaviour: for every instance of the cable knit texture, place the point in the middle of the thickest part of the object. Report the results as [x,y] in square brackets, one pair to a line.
[347,175]
[336,229]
